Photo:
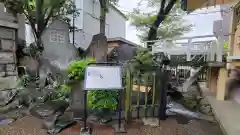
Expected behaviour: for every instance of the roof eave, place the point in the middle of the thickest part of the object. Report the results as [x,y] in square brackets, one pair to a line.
[116,9]
[191,5]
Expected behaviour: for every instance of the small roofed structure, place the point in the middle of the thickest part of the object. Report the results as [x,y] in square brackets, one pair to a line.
[119,49]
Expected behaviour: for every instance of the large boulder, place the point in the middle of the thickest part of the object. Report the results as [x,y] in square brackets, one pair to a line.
[49,112]
[6,96]
[49,108]
[190,98]
[11,106]
[30,96]
[8,100]
[205,107]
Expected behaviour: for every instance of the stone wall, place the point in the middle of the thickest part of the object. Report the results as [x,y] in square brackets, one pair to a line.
[8,71]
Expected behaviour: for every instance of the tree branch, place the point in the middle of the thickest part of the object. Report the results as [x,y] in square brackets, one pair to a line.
[32,24]
[162,6]
[152,34]
[48,18]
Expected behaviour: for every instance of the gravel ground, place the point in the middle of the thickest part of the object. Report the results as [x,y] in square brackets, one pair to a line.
[32,126]
[28,125]
[172,127]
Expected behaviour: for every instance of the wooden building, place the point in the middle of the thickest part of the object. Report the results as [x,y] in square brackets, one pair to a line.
[218,72]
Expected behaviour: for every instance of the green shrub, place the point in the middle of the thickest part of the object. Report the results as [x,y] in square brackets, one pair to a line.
[76,70]
[62,92]
[102,100]
[142,59]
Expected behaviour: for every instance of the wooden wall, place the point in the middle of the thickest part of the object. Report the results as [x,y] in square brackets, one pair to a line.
[235,33]
[196,4]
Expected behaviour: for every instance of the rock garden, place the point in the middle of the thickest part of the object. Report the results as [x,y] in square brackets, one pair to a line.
[57,101]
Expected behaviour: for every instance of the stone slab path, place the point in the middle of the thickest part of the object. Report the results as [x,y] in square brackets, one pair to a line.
[227,114]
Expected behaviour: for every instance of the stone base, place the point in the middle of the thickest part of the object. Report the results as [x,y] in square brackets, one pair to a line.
[120,129]
[85,131]
[154,122]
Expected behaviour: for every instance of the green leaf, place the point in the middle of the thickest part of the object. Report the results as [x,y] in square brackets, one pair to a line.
[173,26]
[102,99]
[39,13]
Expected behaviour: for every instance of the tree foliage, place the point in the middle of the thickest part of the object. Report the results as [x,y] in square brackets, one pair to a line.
[143,59]
[172,26]
[39,13]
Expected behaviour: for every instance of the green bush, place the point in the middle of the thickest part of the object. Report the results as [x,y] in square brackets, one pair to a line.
[62,92]
[96,99]
[102,100]
[142,59]
[76,70]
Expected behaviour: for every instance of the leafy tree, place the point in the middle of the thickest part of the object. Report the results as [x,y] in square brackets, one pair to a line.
[164,8]
[172,26]
[142,59]
[39,14]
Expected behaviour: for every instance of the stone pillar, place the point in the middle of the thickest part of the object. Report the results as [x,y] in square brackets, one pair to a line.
[188,50]
[221,84]
[188,56]
[213,51]
[98,48]
[220,49]
[8,70]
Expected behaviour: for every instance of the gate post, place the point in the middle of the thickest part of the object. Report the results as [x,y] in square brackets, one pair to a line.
[127,107]
[163,94]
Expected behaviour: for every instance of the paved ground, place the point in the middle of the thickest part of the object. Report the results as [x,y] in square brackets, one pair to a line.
[32,126]
[172,127]
[227,113]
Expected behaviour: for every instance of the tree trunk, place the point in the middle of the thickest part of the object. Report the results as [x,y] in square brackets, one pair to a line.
[38,58]
[102,21]
[163,12]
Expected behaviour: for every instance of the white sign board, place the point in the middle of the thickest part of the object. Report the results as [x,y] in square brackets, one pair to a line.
[103,78]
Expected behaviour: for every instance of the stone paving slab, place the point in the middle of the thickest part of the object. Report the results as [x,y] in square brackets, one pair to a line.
[227,114]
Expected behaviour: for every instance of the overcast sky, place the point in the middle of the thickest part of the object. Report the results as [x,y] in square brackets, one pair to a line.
[201,19]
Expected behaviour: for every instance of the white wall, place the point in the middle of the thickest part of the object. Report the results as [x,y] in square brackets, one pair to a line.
[115,23]
[29,35]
